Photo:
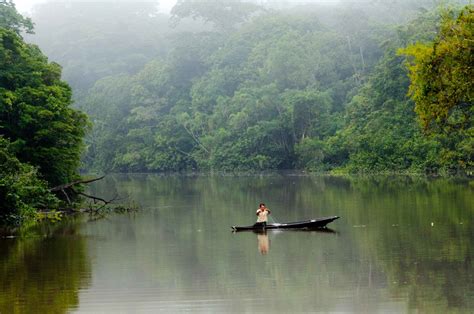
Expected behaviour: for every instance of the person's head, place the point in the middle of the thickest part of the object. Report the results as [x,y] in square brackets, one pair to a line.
[261,205]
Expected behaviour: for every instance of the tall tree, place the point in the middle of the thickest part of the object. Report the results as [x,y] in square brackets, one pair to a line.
[441,73]
[11,19]
[442,87]
[35,112]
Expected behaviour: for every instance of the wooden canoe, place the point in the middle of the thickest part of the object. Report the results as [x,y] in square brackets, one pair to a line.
[306,224]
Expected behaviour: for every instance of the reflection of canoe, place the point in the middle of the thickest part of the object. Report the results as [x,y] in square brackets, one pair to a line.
[311,230]
[307,224]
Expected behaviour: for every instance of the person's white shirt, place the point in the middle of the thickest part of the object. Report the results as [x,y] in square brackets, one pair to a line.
[262,215]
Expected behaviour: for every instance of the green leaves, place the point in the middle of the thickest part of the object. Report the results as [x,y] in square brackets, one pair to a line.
[441,75]
[12,20]
[22,192]
[280,91]
[35,111]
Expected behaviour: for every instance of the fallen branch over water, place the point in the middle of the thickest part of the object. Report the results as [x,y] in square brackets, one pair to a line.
[71,184]
[97,206]
[69,187]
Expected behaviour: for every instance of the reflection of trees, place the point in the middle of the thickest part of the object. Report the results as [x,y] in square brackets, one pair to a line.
[427,264]
[43,274]
[185,243]
[397,256]
[433,268]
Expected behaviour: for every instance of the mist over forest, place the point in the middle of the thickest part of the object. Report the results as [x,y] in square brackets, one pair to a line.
[254,85]
[357,114]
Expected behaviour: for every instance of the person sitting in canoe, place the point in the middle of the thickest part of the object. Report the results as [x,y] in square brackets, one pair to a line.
[262,215]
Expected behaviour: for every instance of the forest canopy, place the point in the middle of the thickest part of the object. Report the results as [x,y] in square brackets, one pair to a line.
[314,87]
[251,85]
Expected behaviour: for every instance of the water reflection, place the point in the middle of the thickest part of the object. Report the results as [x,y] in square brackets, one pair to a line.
[178,254]
[415,244]
[263,242]
[43,271]
[419,233]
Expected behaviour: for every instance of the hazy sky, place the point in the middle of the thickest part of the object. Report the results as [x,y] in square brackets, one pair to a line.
[25,6]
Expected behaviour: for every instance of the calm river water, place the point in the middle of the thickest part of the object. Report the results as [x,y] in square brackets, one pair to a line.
[402,244]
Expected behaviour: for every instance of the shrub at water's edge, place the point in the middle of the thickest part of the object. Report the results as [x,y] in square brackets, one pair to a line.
[22,192]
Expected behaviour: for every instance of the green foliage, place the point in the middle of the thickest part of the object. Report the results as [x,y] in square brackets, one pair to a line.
[308,88]
[22,192]
[35,113]
[40,134]
[381,131]
[441,75]
[310,152]
[12,20]
[225,103]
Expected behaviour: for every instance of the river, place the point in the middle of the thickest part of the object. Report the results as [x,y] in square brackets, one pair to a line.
[402,244]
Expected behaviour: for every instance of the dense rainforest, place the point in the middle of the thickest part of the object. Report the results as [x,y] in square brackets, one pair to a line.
[41,136]
[231,86]
[245,86]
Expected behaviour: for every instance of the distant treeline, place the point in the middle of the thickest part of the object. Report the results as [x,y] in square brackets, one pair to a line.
[231,85]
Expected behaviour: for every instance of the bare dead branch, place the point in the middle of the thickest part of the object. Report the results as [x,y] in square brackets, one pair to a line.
[67,196]
[95,198]
[71,184]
